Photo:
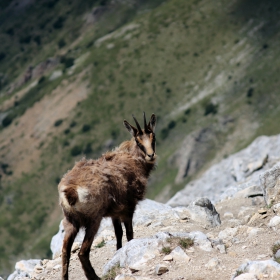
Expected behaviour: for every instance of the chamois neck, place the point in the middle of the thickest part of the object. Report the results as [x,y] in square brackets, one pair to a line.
[132,148]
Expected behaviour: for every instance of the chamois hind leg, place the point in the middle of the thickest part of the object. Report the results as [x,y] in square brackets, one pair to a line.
[129,227]
[70,233]
[118,231]
[85,250]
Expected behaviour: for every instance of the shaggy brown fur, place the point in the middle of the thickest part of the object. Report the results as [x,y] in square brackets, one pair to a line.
[110,186]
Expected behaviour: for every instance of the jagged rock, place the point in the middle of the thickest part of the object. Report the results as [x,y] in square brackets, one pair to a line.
[24,268]
[138,252]
[270,183]
[202,211]
[269,268]
[235,173]
[251,191]
[160,269]
[178,254]
[190,157]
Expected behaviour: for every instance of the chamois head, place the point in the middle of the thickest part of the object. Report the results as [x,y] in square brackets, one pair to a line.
[145,138]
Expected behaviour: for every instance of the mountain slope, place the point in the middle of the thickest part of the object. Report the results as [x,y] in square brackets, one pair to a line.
[197,65]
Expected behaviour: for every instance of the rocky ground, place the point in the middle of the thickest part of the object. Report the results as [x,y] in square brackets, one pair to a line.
[245,234]
[235,239]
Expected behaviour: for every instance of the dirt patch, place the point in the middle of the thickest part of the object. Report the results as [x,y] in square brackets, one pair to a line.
[23,138]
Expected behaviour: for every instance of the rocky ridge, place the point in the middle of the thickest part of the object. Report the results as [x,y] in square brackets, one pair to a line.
[235,239]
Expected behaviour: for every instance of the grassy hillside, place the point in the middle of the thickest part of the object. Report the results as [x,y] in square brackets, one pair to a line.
[196,64]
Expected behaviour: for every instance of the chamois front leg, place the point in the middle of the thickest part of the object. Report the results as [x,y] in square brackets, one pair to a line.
[69,237]
[85,250]
[118,231]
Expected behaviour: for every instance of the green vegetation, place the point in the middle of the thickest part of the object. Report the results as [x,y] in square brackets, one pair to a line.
[111,275]
[101,244]
[192,63]
[186,243]
[166,250]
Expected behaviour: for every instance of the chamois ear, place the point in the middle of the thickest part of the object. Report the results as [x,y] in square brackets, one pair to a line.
[152,122]
[131,129]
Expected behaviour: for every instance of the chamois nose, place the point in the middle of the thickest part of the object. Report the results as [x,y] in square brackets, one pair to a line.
[151,156]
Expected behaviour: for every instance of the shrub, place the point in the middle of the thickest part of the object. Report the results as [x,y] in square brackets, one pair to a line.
[41,80]
[67,61]
[37,39]
[186,243]
[61,43]
[210,108]
[7,120]
[25,40]
[73,123]
[10,31]
[86,127]
[88,149]
[166,250]
[59,23]
[65,143]
[2,56]
[171,125]
[76,150]
[100,244]
[58,122]
[164,133]
[114,133]
[250,92]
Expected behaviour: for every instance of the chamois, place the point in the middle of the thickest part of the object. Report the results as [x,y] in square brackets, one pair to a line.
[110,186]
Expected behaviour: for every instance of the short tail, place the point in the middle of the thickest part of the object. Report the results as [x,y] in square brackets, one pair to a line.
[71,195]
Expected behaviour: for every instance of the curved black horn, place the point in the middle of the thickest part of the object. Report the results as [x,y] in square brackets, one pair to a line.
[145,122]
[138,125]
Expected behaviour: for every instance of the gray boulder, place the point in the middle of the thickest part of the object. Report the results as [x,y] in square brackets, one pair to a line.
[138,252]
[235,173]
[201,211]
[270,183]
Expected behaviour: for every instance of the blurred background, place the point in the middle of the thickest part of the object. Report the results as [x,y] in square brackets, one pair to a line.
[71,71]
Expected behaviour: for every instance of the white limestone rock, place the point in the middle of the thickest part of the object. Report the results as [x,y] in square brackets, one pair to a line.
[179,255]
[270,183]
[137,252]
[270,269]
[235,173]
[274,221]
[24,268]
[246,276]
